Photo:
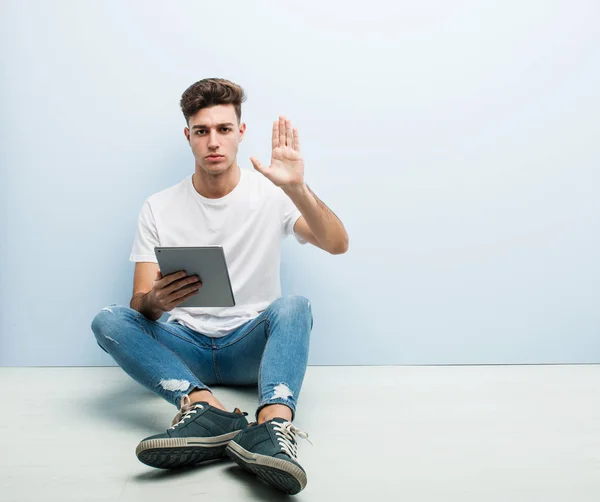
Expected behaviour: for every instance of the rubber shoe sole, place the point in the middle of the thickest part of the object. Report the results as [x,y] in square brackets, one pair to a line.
[170,453]
[283,475]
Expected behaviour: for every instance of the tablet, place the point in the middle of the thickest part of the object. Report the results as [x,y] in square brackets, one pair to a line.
[208,263]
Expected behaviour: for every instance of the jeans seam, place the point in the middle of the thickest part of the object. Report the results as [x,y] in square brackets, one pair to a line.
[168,330]
[246,334]
[216,364]
[263,356]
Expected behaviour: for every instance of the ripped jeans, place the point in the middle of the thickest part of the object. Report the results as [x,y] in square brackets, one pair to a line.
[172,360]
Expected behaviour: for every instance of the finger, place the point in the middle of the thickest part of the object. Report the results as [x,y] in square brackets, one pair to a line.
[188,289]
[180,293]
[257,165]
[288,133]
[281,130]
[182,283]
[181,300]
[275,137]
[296,140]
[175,276]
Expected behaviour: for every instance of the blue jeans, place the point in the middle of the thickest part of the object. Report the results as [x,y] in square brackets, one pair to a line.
[172,360]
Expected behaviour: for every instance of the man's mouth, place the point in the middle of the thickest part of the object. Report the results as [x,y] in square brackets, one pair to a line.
[215,157]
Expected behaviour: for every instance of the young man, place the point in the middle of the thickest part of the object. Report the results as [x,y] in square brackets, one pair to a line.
[264,339]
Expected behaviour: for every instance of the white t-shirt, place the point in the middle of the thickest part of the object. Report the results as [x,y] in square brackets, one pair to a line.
[250,223]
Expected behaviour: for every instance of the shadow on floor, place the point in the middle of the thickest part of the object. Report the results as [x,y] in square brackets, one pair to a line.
[134,407]
[257,488]
[157,475]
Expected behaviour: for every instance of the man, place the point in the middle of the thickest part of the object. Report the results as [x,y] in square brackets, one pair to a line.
[264,338]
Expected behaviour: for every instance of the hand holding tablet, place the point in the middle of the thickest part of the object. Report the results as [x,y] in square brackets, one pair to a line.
[172,290]
[207,263]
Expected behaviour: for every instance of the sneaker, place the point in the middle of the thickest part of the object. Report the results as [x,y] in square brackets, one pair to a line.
[270,451]
[199,432]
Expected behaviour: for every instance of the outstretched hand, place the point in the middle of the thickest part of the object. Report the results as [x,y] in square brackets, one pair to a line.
[287,166]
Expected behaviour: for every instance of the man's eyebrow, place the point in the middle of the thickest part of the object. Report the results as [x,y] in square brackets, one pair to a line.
[203,126]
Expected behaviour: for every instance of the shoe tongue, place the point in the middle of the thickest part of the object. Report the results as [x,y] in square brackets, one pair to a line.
[203,403]
[276,421]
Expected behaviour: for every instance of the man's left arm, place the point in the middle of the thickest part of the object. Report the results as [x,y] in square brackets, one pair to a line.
[318,224]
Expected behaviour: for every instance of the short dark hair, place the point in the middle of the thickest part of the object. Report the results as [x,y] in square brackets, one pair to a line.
[212,92]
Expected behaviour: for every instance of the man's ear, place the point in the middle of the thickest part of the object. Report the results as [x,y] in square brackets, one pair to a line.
[186,132]
[242,130]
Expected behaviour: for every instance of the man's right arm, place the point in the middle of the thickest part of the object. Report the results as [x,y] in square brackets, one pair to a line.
[143,280]
[140,302]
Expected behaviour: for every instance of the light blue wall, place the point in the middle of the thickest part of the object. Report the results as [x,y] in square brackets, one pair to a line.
[458,142]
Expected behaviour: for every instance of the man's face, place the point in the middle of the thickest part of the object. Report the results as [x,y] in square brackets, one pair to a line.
[214,136]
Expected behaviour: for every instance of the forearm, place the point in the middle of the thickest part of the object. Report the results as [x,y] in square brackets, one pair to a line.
[323,223]
[140,302]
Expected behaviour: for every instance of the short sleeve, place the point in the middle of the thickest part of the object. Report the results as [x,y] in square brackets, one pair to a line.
[289,216]
[146,237]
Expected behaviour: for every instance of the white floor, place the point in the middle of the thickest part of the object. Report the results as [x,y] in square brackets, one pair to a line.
[445,433]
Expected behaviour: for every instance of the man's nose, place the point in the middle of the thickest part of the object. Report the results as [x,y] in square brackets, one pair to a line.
[213,140]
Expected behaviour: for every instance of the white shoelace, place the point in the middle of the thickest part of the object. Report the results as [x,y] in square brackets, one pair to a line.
[187,410]
[286,436]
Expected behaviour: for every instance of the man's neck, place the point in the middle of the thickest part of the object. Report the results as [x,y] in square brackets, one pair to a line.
[215,187]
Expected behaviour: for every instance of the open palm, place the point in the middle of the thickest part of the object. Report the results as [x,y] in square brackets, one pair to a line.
[287,165]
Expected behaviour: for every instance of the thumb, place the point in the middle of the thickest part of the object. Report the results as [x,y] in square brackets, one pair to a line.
[257,165]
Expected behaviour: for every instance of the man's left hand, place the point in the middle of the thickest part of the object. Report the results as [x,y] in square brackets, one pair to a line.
[287,166]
